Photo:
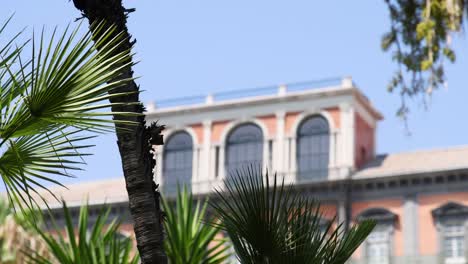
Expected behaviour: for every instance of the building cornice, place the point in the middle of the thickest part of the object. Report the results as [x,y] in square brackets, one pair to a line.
[251,101]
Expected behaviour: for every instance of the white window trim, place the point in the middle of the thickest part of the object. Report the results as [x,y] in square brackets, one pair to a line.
[334,138]
[442,226]
[389,229]
[227,131]
[159,154]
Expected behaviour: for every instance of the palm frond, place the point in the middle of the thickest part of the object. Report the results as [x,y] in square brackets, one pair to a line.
[190,239]
[271,223]
[67,83]
[92,241]
[9,58]
[52,103]
[31,162]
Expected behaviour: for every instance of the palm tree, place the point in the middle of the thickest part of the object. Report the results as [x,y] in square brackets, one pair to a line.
[271,223]
[95,241]
[191,239]
[136,142]
[51,104]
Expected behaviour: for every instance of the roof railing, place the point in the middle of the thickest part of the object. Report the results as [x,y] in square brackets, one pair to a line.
[280,90]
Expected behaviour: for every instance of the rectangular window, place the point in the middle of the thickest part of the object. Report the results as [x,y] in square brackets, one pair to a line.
[454,243]
[378,246]
[216,161]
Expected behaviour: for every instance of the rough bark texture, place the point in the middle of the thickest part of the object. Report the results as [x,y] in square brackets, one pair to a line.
[135,144]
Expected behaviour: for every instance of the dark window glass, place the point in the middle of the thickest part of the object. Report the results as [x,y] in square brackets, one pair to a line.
[244,147]
[216,161]
[177,167]
[270,154]
[313,149]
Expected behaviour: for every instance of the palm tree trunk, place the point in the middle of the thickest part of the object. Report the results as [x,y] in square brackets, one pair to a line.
[135,143]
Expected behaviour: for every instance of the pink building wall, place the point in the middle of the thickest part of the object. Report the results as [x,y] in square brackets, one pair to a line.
[427,229]
[270,122]
[198,130]
[364,142]
[336,116]
[217,129]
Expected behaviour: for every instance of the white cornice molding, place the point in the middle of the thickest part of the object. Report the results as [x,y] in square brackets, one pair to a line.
[257,100]
[365,115]
[252,111]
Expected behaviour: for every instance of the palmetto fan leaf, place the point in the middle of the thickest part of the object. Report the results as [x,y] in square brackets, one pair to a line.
[92,241]
[67,84]
[7,52]
[29,162]
[271,223]
[52,103]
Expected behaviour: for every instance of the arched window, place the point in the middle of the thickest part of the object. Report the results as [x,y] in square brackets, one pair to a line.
[313,148]
[177,167]
[378,245]
[244,146]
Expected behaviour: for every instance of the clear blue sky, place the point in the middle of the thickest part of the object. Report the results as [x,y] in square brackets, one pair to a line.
[197,47]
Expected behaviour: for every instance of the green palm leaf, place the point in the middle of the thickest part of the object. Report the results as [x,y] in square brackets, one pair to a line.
[271,223]
[67,83]
[90,242]
[51,104]
[28,163]
[189,239]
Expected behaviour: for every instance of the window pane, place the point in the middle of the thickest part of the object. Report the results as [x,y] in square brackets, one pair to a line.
[244,147]
[313,149]
[454,241]
[378,246]
[177,164]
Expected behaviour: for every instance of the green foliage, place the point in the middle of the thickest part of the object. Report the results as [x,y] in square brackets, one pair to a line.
[94,241]
[51,104]
[271,223]
[17,234]
[420,39]
[4,211]
[5,254]
[189,239]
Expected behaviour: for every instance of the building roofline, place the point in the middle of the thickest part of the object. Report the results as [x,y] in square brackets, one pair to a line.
[362,99]
[433,149]
[122,197]
[414,162]
[355,176]
[344,87]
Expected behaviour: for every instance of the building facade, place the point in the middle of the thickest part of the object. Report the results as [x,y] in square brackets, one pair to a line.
[321,137]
